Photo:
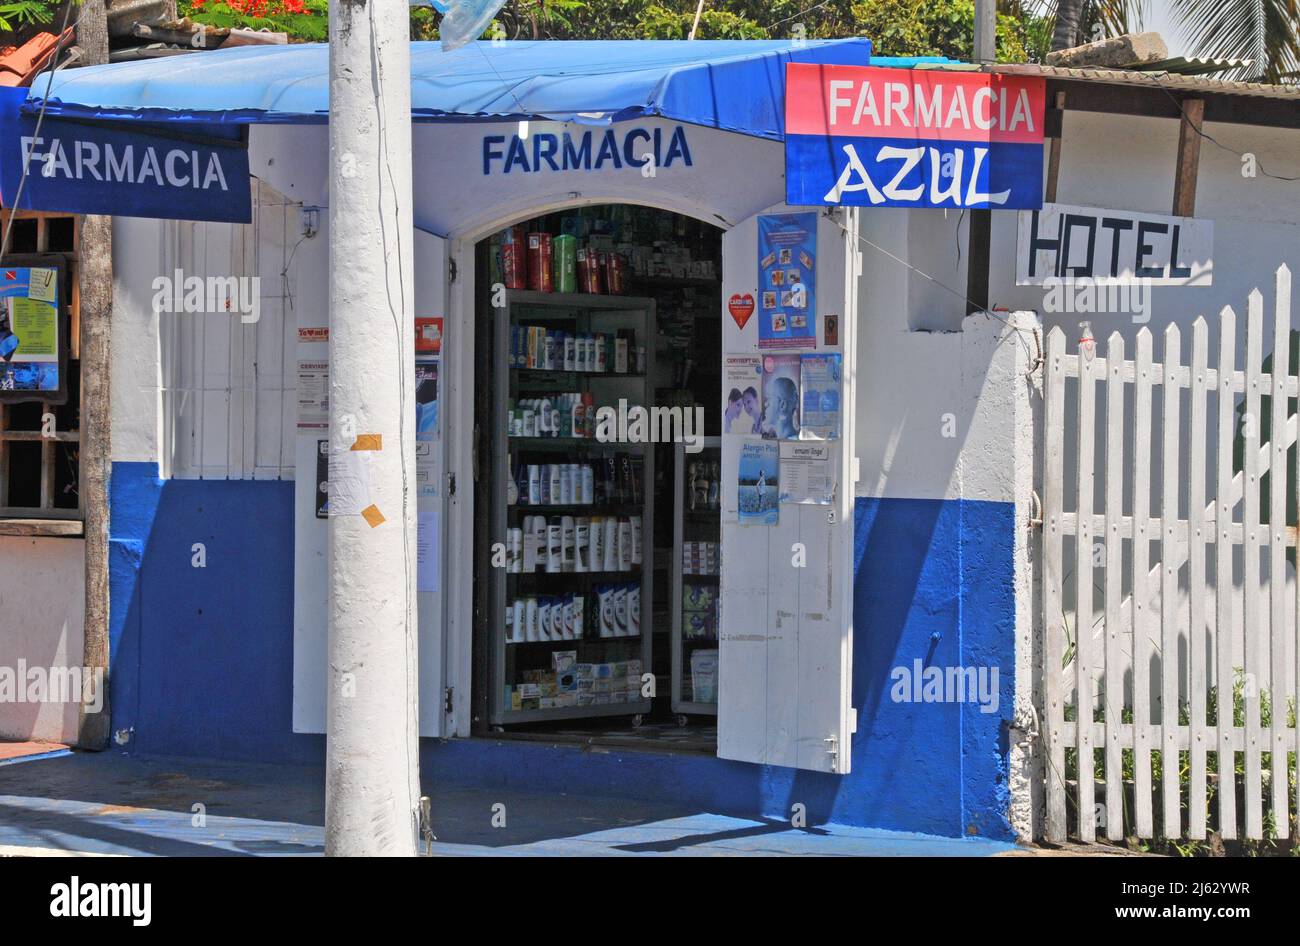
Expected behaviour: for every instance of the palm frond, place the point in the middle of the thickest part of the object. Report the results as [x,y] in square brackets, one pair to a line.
[1264,31]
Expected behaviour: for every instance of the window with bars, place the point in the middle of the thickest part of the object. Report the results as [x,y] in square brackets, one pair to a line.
[39,441]
[229,386]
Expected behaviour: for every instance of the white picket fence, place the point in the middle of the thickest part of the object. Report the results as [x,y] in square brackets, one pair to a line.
[1143,637]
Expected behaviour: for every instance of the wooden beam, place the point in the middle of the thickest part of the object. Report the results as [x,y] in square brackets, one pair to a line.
[1154,101]
[1189,157]
[977,265]
[1054,152]
[95,298]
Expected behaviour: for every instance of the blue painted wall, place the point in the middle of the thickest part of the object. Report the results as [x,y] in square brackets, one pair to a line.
[202,658]
[202,663]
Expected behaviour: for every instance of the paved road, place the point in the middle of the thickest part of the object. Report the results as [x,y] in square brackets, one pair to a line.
[115,804]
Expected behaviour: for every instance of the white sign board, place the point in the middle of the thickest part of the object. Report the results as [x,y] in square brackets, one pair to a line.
[1069,244]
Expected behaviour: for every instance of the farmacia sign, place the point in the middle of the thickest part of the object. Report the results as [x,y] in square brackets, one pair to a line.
[590,150]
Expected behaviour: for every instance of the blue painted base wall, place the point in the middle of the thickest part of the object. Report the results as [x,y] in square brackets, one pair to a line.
[202,663]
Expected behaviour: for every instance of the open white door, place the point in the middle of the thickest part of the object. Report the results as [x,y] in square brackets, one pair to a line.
[786,628]
[310,538]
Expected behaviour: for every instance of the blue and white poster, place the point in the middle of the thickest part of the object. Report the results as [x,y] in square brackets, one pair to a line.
[426,399]
[819,411]
[758,486]
[29,331]
[787,259]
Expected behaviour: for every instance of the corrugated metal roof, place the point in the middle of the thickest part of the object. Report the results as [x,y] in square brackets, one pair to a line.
[1193,66]
[1201,85]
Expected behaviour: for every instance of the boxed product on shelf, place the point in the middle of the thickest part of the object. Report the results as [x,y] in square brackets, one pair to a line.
[699,612]
[704,675]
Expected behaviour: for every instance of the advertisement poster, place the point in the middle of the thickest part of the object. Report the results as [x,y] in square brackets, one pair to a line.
[819,414]
[322,479]
[780,397]
[29,329]
[428,335]
[742,378]
[787,251]
[758,484]
[426,399]
[807,473]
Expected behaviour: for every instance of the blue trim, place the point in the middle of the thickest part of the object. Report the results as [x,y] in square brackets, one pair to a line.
[36,757]
[202,663]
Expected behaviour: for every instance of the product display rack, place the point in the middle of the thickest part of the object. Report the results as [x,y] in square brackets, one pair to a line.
[509,660]
[693,523]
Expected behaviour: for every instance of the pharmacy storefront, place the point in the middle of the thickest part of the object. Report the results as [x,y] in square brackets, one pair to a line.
[650,562]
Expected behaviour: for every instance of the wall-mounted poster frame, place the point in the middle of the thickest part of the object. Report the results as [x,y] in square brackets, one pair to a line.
[34,292]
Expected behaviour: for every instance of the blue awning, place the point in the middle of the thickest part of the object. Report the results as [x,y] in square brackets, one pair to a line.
[734,85]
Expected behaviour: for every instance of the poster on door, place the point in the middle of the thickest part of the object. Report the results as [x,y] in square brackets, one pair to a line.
[787,258]
[780,397]
[742,377]
[758,484]
[819,403]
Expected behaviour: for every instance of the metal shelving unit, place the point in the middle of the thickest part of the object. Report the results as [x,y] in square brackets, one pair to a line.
[577,312]
[692,523]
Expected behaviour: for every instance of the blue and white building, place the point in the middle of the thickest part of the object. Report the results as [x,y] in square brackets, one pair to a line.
[926,556]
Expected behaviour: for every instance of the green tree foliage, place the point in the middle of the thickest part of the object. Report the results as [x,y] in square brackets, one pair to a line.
[1264,30]
[24,13]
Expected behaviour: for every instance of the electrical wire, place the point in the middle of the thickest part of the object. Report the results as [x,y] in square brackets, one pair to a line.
[1184,120]
[1036,356]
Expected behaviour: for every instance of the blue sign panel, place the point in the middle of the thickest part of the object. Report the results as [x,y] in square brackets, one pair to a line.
[121,170]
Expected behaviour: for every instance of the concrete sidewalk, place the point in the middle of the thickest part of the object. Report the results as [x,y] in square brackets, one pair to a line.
[114,804]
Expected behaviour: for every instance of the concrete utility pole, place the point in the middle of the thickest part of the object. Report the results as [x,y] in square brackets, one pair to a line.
[986,30]
[372,754]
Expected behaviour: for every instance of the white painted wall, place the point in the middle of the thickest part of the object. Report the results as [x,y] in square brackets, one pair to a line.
[42,604]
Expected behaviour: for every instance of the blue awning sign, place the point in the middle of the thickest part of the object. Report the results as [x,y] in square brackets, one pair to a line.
[121,170]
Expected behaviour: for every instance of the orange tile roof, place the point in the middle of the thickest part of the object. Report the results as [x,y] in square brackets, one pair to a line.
[19,65]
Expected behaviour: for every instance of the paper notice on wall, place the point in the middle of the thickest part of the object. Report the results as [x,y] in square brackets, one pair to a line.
[742,409]
[43,284]
[819,398]
[313,395]
[348,485]
[807,472]
[426,468]
[427,562]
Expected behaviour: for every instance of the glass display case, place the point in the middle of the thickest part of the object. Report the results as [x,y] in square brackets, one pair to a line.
[571,509]
[697,565]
